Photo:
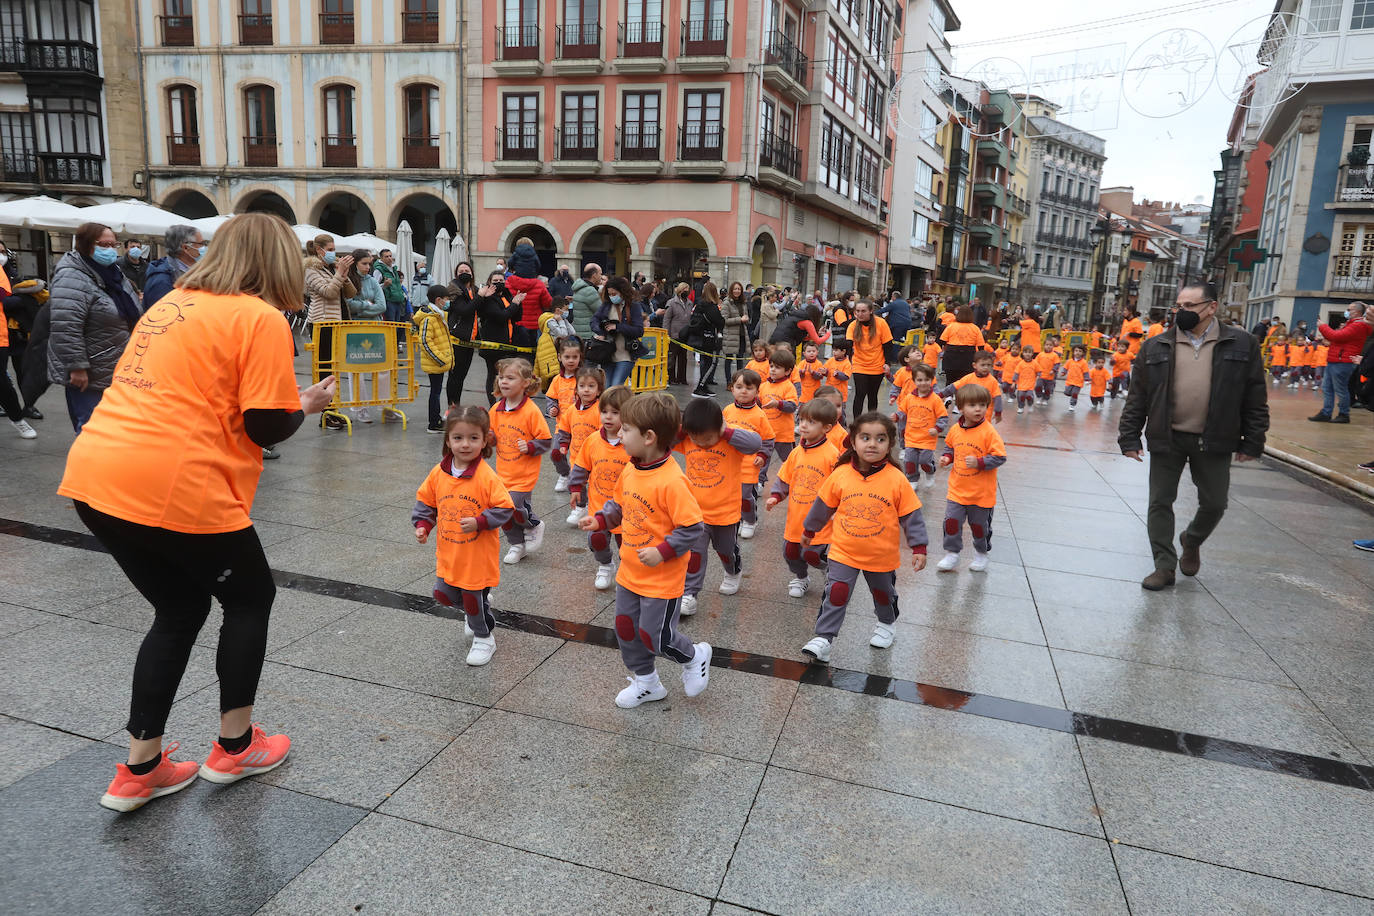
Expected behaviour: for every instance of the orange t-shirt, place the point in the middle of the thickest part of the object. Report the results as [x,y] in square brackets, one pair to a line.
[1076,370]
[868,352]
[901,381]
[759,366]
[1026,371]
[987,381]
[166,446]
[930,354]
[653,501]
[1046,363]
[1319,358]
[921,414]
[751,418]
[1155,330]
[1099,379]
[784,428]
[466,561]
[518,470]
[805,469]
[1010,367]
[1299,356]
[603,462]
[1030,334]
[834,366]
[865,529]
[1133,326]
[810,383]
[1278,355]
[970,486]
[1121,364]
[563,390]
[961,334]
[579,422]
[836,437]
[1096,338]
[946,318]
[714,476]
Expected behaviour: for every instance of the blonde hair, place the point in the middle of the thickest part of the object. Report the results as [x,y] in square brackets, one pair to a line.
[315,247]
[526,371]
[256,254]
[682,288]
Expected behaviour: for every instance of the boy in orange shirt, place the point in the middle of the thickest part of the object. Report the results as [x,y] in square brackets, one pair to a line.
[779,396]
[713,453]
[812,371]
[746,413]
[1299,359]
[973,453]
[924,414]
[562,390]
[1278,359]
[1121,368]
[1026,376]
[1075,374]
[1047,367]
[521,435]
[839,366]
[930,354]
[798,480]
[981,375]
[576,422]
[840,430]
[1098,376]
[660,521]
[1011,365]
[595,471]
[910,358]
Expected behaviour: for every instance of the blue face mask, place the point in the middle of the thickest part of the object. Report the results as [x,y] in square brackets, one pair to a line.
[105,256]
[200,252]
[615,299]
[330,257]
[135,252]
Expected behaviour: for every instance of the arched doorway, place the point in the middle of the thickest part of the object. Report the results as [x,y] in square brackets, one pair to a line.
[426,215]
[607,246]
[765,252]
[190,204]
[678,254]
[269,202]
[544,246]
[342,214]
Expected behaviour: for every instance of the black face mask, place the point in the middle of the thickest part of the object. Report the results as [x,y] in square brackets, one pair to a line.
[1186,319]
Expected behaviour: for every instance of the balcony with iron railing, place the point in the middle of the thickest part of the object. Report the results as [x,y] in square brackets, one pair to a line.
[19,166]
[948,274]
[952,216]
[421,151]
[958,159]
[638,143]
[1355,185]
[1353,275]
[177,31]
[639,47]
[784,65]
[260,152]
[340,151]
[183,149]
[336,29]
[52,56]
[577,42]
[11,53]
[1018,204]
[581,143]
[72,168]
[518,143]
[701,142]
[518,51]
[420,27]
[255,29]
[780,155]
[703,38]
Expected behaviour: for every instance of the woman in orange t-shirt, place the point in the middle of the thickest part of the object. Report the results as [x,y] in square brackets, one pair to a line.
[870,335]
[962,339]
[164,475]
[1030,331]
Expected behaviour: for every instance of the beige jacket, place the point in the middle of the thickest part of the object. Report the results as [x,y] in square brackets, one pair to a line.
[326,290]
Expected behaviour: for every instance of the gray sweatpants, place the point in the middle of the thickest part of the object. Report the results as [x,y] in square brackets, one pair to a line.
[979,525]
[749,502]
[646,627]
[725,539]
[524,517]
[599,542]
[474,604]
[916,460]
[799,562]
[839,588]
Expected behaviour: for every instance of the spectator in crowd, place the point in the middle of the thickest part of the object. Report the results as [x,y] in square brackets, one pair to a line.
[523,277]
[462,327]
[769,314]
[497,314]
[367,304]
[184,245]
[620,321]
[734,340]
[704,332]
[896,311]
[327,285]
[561,283]
[677,312]
[586,299]
[393,284]
[134,263]
[1347,344]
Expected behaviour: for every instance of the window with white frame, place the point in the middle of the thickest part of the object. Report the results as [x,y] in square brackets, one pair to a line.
[920,230]
[1353,265]
[837,156]
[1362,15]
[930,125]
[925,179]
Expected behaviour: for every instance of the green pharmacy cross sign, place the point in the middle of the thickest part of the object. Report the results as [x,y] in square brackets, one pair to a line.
[1247,254]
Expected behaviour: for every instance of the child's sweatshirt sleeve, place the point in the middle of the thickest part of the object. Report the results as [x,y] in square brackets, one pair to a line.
[914,528]
[681,540]
[744,441]
[819,513]
[425,514]
[495,517]
[539,441]
[942,423]
[609,516]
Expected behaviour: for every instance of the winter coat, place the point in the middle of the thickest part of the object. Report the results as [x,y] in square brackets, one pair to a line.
[523,277]
[768,320]
[462,312]
[35,379]
[735,339]
[435,347]
[496,319]
[676,318]
[370,303]
[327,290]
[394,293]
[560,284]
[1347,342]
[628,328]
[586,301]
[136,271]
[545,352]
[897,314]
[161,278]
[88,332]
[710,314]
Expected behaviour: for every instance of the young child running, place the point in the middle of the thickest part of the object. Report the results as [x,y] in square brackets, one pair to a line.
[1075,375]
[1047,368]
[1011,366]
[746,413]
[973,453]
[981,375]
[660,521]
[812,370]
[595,471]
[576,423]
[713,453]
[561,393]
[1027,373]
[1121,368]
[521,435]
[923,411]
[759,362]
[930,353]
[870,501]
[910,358]
[779,397]
[1099,376]
[1278,359]
[800,476]
[839,367]
[466,505]
[840,431]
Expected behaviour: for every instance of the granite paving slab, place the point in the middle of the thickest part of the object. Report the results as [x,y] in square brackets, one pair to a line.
[26,748]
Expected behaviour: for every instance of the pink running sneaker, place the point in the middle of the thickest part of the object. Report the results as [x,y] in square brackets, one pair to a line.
[265,752]
[128,791]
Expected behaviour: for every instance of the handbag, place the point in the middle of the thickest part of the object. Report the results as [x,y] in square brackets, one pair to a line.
[635,347]
[599,351]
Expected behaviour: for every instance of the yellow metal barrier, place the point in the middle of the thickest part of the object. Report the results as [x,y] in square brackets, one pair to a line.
[916,337]
[363,355]
[650,372]
[1073,339]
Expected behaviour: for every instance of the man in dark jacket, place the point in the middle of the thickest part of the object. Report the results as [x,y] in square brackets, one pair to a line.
[561,283]
[183,245]
[133,264]
[1198,394]
[897,313]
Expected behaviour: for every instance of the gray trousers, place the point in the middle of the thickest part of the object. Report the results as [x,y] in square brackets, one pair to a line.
[725,539]
[1211,472]
[979,525]
[523,519]
[916,460]
[799,561]
[780,451]
[599,543]
[749,502]
[839,588]
[474,604]
[646,627]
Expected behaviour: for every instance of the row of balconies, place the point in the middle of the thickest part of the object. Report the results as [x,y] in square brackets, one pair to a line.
[1064,241]
[1069,200]
[417,27]
[27,167]
[49,56]
[340,151]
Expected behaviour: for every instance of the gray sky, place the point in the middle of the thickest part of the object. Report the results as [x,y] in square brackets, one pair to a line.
[1128,80]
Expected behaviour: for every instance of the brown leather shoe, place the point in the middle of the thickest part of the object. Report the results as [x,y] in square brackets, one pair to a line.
[1189,562]
[1158,580]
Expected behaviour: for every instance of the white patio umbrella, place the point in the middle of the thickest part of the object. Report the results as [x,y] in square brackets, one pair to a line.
[459,250]
[441,268]
[209,225]
[305,232]
[405,251]
[363,240]
[40,213]
[133,217]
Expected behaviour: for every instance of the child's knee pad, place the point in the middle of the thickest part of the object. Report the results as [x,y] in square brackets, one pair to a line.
[839,593]
[471,605]
[624,628]
[693,562]
[951,526]
[599,540]
[791,550]
[645,638]
[976,528]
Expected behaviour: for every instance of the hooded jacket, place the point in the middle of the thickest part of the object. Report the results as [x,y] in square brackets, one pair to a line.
[524,278]
[87,332]
[161,278]
[560,284]
[586,301]
[327,290]
[436,349]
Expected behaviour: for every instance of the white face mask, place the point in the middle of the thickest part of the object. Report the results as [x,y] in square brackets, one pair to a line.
[4,259]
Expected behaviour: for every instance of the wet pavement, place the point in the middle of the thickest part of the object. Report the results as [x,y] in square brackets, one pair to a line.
[1041,738]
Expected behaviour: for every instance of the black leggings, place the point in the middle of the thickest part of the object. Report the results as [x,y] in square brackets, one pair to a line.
[462,362]
[179,574]
[9,398]
[866,391]
[492,357]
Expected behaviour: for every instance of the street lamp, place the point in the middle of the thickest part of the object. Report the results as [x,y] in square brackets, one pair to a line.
[1098,232]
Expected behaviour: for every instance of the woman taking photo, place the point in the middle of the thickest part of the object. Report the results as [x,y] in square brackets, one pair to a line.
[619,322]
[869,334]
[734,343]
[768,315]
[462,327]
[93,308]
[799,325]
[498,316]
[704,331]
[962,339]
[211,382]
[326,287]
[368,305]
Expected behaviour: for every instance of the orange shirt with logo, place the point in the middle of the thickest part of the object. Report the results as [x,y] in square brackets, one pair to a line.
[987,381]
[971,486]
[930,354]
[1076,370]
[1026,371]
[1099,378]
[809,383]
[465,560]
[563,390]
[835,366]
[901,381]
[751,418]
[654,501]
[784,427]
[1046,364]
[715,477]
[921,414]
[1121,364]
[166,447]
[865,531]
[760,366]
[868,348]
[579,422]
[804,471]
[518,470]
[1010,367]
[1030,334]
[961,334]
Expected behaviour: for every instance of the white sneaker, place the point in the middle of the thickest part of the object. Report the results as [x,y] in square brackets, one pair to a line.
[730,584]
[818,648]
[687,606]
[641,690]
[24,430]
[562,485]
[576,516]
[798,588]
[467,630]
[950,561]
[980,562]
[1020,409]
[1072,408]
[928,482]
[1294,385]
[363,415]
[480,653]
[746,529]
[605,575]
[696,674]
[883,635]
[534,538]
[514,555]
